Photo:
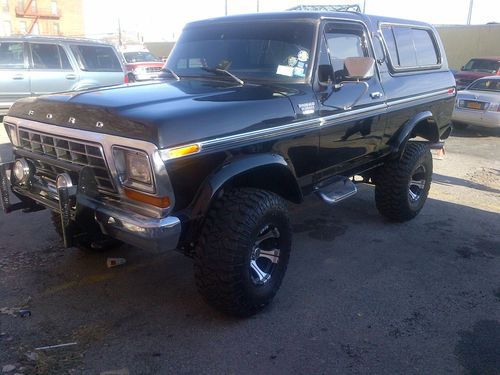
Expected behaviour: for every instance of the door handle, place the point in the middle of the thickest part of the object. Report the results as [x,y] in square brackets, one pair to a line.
[71,76]
[18,76]
[376,95]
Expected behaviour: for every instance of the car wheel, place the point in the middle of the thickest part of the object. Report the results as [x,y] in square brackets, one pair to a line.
[403,185]
[242,255]
[103,243]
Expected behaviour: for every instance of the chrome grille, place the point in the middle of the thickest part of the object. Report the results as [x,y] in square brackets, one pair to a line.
[153,69]
[67,150]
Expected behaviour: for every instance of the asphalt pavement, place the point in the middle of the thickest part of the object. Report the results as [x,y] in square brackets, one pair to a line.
[361,295]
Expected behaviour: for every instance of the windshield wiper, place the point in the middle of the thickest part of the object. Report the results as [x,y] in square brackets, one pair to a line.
[174,74]
[224,71]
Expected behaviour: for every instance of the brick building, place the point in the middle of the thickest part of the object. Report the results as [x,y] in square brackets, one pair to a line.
[41,17]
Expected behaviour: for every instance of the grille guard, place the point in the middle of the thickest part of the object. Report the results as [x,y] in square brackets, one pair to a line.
[81,205]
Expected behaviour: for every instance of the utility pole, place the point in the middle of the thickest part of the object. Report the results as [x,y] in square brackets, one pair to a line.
[469,17]
[258,6]
[364,6]
[119,33]
[225,12]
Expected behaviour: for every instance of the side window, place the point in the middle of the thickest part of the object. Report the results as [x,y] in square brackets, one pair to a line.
[391,45]
[406,49]
[410,47]
[424,46]
[49,57]
[64,59]
[11,55]
[345,40]
[97,58]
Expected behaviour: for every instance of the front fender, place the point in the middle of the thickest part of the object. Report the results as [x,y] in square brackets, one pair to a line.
[262,171]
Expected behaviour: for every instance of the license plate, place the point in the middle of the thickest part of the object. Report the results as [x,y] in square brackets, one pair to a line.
[474,105]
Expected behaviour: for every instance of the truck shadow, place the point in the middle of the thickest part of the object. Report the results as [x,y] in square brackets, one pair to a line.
[398,275]
[448,181]
[476,132]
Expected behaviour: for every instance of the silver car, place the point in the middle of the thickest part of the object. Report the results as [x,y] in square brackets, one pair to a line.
[34,65]
[478,104]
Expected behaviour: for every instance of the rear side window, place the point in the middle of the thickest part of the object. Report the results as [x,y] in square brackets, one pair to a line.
[49,57]
[97,58]
[11,55]
[411,48]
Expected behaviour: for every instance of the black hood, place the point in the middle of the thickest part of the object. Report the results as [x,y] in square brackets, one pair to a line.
[165,113]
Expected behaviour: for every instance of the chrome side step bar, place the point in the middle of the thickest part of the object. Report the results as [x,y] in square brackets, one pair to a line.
[335,189]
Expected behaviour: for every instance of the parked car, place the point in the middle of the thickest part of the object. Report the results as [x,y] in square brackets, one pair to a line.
[35,65]
[477,68]
[141,65]
[478,104]
[258,111]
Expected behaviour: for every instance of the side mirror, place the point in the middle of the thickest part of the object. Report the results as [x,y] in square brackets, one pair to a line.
[462,68]
[325,75]
[359,68]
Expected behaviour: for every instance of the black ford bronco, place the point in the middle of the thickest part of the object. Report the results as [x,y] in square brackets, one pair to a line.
[251,112]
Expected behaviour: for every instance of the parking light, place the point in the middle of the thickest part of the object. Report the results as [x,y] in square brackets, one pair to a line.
[162,202]
[178,152]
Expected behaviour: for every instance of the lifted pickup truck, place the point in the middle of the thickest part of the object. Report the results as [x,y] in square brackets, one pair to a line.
[253,112]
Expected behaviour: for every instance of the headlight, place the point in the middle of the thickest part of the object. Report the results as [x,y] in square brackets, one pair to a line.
[12,133]
[134,169]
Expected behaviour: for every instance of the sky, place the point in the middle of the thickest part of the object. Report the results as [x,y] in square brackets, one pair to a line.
[163,20]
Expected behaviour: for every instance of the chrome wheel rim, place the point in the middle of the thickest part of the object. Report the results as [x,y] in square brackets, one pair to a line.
[265,255]
[417,183]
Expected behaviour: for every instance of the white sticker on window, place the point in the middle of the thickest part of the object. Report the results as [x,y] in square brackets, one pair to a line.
[298,72]
[292,61]
[303,56]
[285,70]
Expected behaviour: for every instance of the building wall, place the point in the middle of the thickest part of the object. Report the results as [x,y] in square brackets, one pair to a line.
[465,42]
[66,17]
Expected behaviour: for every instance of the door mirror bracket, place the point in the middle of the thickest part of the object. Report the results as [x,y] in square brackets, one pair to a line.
[357,69]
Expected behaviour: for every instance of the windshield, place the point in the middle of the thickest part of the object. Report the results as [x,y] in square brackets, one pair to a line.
[484,66]
[133,57]
[278,51]
[485,85]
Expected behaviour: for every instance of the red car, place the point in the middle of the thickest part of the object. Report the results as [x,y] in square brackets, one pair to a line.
[142,65]
[477,68]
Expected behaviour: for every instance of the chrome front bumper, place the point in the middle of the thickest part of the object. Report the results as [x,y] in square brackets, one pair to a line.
[127,226]
[134,229]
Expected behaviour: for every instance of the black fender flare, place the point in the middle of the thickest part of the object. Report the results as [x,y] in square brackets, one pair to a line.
[265,171]
[422,124]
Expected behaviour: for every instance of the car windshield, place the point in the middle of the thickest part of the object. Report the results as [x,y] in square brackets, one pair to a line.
[277,51]
[484,66]
[485,85]
[133,57]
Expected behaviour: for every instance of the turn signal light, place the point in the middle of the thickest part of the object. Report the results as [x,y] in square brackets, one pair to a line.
[183,151]
[162,202]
